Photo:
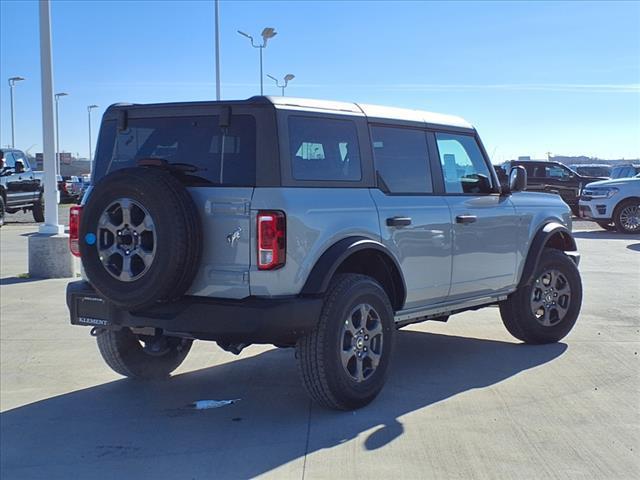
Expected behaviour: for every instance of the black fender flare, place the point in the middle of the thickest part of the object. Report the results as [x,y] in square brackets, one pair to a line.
[329,262]
[559,236]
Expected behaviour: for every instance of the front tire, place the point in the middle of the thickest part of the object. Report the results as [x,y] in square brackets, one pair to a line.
[546,310]
[125,353]
[627,216]
[343,362]
[38,210]
[2,211]
[607,226]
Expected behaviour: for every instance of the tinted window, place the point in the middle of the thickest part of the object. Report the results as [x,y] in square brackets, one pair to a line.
[216,156]
[556,171]
[324,149]
[402,159]
[463,165]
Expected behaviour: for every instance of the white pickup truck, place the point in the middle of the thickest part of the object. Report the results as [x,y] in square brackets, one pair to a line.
[613,204]
[20,186]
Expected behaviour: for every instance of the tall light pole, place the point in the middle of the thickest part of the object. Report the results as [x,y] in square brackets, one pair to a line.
[57,97]
[287,78]
[12,82]
[217,19]
[89,108]
[267,33]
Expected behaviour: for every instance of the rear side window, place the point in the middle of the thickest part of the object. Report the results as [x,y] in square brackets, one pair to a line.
[208,154]
[324,149]
[463,165]
[402,159]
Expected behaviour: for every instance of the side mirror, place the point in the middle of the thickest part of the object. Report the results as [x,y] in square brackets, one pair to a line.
[517,179]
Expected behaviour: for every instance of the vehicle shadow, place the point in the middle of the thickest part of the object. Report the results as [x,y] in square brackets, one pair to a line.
[14,280]
[605,235]
[634,246]
[147,430]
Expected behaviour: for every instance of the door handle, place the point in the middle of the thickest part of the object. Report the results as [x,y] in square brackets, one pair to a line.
[398,221]
[466,218]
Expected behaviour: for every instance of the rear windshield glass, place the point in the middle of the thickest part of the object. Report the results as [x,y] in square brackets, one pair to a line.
[209,154]
[324,149]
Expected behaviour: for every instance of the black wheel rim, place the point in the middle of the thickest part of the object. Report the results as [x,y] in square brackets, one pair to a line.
[126,239]
[550,298]
[361,342]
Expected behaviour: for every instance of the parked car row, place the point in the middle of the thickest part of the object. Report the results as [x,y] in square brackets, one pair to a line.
[613,203]
[21,186]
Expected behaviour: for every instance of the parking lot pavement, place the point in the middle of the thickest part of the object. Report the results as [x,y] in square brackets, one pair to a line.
[463,399]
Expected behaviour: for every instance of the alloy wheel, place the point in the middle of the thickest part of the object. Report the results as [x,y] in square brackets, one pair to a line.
[630,218]
[126,239]
[550,298]
[361,342]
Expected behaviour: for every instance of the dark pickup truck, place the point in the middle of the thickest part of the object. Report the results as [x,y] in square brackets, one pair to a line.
[553,177]
[20,186]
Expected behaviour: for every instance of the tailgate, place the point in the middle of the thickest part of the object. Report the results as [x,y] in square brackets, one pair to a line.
[225,213]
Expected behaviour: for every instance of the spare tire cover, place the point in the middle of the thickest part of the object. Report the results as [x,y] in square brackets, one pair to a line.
[140,237]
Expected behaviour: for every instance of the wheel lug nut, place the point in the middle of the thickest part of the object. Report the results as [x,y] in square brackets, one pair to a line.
[366,337]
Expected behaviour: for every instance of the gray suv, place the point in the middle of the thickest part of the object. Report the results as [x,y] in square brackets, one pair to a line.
[319,225]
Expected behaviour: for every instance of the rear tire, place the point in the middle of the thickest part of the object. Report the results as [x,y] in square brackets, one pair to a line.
[38,210]
[343,362]
[539,312]
[122,351]
[626,216]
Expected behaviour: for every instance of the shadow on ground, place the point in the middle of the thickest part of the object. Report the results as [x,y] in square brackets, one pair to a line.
[634,246]
[145,429]
[14,280]
[604,235]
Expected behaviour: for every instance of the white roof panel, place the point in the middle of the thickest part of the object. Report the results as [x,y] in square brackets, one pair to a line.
[371,111]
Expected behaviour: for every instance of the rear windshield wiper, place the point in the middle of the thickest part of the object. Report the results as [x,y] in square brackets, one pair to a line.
[174,167]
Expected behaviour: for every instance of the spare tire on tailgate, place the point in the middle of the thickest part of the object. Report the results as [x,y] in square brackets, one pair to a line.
[140,237]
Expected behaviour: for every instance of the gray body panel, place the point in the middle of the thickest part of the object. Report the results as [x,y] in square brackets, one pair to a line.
[423,249]
[224,266]
[484,251]
[316,219]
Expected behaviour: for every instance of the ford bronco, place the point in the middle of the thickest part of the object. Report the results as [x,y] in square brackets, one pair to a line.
[319,225]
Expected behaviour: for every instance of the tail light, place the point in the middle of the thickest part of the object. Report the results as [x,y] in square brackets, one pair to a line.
[75,213]
[272,239]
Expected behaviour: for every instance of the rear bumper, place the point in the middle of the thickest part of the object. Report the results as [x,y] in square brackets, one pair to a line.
[252,320]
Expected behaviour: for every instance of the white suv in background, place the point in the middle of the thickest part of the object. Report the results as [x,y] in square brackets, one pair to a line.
[613,204]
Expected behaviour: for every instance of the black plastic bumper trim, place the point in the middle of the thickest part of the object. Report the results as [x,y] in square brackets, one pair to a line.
[251,320]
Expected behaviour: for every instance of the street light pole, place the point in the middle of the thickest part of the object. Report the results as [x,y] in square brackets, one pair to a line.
[287,78]
[12,82]
[217,6]
[89,108]
[267,33]
[57,97]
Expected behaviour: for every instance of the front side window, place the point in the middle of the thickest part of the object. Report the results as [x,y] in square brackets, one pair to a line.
[206,153]
[557,172]
[324,149]
[20,158]
[463,165]
[402,159]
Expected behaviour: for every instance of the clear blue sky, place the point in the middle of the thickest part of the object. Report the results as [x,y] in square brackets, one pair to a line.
[532,77]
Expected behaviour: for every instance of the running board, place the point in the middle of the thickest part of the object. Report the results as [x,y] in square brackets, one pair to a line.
[418,314]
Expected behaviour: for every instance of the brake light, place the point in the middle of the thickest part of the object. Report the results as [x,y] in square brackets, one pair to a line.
[75,213]
[272,239]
